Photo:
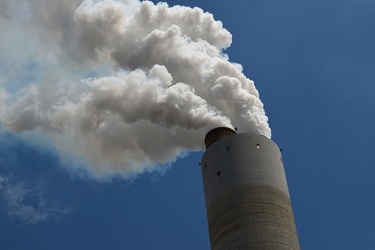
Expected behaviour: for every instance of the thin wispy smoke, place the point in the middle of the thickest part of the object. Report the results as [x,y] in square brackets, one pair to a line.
[2,99]
[28,203]
[124,85]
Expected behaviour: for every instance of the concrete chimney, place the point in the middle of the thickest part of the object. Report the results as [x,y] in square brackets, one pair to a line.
[246,192]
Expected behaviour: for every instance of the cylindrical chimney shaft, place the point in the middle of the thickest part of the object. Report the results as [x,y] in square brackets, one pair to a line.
[247,198]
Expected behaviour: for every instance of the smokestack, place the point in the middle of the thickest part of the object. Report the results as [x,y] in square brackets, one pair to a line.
[246,192]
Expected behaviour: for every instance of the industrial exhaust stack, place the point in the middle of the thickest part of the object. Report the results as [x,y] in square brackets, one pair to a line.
[246,192]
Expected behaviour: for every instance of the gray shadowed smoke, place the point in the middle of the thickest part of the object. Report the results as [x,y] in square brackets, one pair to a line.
[167,84]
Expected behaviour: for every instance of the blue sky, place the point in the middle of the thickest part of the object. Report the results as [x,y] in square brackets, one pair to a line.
[314,66]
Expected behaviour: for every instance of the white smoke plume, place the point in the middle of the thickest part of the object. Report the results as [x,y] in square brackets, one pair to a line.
[124,85]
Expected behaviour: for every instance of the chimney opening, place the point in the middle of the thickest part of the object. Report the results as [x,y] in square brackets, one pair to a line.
[217,134]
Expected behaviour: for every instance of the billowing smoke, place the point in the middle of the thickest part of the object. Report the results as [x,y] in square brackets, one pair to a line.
[123,85]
